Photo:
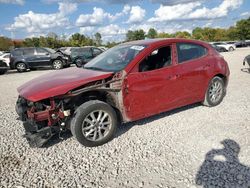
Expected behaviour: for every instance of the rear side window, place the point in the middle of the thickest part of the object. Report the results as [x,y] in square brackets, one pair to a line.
[17,52]
[188,51]
[28,51]
[86,52]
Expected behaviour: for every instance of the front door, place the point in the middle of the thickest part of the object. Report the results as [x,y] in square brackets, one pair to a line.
[151,89]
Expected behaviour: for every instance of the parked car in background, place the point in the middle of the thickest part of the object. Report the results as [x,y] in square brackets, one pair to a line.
[3,67]
[5,58]
[228,47]
[219,48]
[81,55]
[248,42]
[33,58]
[247,61]
[131,81]
[241,44]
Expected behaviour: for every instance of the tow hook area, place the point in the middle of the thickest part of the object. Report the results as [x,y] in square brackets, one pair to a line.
[39,138]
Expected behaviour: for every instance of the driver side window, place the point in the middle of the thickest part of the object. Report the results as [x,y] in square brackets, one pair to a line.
[158,59]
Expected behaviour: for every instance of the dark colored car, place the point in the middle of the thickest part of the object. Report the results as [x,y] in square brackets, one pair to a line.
[219,48]
[3,67]
[81,55]
[240,44]
[33,58]
[128,82]
[247,61]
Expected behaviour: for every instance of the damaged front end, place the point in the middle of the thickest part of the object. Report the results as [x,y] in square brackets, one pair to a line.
[49,117]
[41,120]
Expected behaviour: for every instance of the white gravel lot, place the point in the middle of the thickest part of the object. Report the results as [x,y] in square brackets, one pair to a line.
[181,148]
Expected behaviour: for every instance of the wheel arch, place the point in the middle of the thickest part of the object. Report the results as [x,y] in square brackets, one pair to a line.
[15,64]
[223,77]
[104,96]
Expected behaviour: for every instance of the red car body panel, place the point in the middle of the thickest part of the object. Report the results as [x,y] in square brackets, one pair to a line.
[142,94]
[152,92]
[59,83]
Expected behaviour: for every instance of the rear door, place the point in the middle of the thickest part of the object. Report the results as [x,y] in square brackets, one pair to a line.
[86,54]
[42,57]
[29,56]
[193,65]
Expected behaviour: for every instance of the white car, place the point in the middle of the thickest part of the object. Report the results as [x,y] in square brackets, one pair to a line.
[5,58]
[228,47]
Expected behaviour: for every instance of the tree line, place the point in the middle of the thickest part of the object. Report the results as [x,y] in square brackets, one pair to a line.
[241,31]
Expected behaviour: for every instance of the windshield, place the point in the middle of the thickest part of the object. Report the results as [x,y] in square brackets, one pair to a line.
[115,59]
[50,50]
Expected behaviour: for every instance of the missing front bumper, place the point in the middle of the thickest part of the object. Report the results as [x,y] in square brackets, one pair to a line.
[37,137]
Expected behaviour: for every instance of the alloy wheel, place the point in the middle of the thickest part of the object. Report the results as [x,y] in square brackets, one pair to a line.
[21,66]
[215,91]
[57,64]
[96,125]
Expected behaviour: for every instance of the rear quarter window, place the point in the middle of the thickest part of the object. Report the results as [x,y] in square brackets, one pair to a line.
[189,51]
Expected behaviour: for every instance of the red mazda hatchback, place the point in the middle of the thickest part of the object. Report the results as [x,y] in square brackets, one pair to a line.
[131,81]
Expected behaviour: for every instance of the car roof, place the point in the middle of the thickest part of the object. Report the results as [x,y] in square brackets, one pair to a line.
[25,48]
[148,42]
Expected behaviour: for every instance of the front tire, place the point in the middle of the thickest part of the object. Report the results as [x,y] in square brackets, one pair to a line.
[21,67]
[57,64]
[231,49]
[94,123]
[215,92]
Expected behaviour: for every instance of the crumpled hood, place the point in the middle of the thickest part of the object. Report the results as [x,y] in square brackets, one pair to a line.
[59,83]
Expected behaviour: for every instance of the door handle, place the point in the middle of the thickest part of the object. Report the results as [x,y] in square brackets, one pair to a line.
[173,77]
[206,66]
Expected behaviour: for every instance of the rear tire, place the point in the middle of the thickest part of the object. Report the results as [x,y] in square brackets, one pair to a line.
[94,123]
[215,92]
[3,71]
[79,63]
[21,67]
[57,64]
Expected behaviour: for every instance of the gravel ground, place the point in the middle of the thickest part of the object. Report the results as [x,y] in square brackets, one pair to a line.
[187,147]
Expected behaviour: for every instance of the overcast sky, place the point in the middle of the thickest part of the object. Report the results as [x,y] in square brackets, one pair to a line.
[112,18]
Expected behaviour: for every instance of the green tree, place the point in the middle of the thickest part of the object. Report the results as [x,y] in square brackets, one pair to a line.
[98,39]
[164,35]
[183,34]
[77,39]
[243,29]
[152,33]
[231,33]
[5,43]
[135,35]
[197,33]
